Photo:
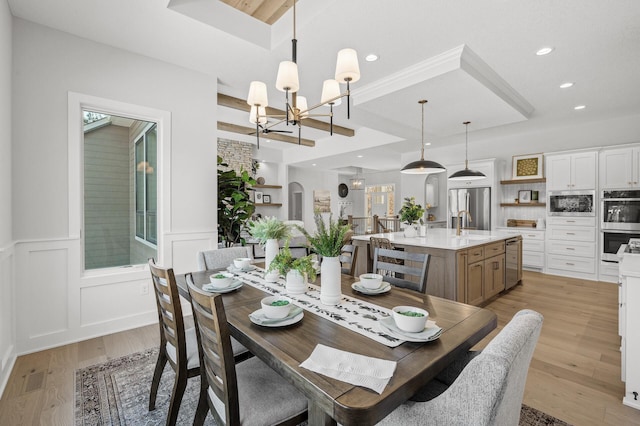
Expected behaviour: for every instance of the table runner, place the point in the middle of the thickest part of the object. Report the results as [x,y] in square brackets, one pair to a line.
[354,314]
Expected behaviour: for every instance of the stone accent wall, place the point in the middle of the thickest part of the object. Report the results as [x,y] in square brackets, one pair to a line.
[236,154]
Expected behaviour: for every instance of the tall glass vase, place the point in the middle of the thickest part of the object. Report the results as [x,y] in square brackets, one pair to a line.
[330,288]
[271,249]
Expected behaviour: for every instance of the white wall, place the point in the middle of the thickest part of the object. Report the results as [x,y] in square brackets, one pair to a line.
[315,180]
[55,302]
[7,323]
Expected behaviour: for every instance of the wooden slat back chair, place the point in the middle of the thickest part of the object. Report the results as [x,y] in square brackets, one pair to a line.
[397,262]
[247,393]
[348,257]
[221,258]
[177,346]
[379,242]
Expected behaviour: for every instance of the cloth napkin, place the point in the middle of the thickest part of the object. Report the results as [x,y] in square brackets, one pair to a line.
[360,370]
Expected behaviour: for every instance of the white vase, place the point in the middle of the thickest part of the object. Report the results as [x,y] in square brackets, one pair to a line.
[410,231]
[423,230]
[271,249]
[296,283]
[330,288]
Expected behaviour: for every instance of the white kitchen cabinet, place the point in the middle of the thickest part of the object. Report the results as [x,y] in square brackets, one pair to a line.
[486,167]
[532,246]
[620,168]
[629,319]
[571,171]
[571,247]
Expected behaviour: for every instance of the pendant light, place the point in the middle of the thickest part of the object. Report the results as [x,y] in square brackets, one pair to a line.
[467,174]
[422,166]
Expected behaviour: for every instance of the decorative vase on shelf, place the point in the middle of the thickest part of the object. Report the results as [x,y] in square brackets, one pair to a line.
[296,283]
[410,231]
[330,287]
[271,249]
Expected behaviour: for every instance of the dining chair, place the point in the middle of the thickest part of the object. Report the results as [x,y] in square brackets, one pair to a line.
[482,388]
[177,346]
[248,393]
[222,257]
[399,264]
[348,257]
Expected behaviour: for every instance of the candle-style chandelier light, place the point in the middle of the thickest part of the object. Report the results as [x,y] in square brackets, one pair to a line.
[347,71]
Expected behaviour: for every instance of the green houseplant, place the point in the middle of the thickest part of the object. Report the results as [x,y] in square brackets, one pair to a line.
[327,242]
[268,228]
[235,207]
[296,270]
[411,212]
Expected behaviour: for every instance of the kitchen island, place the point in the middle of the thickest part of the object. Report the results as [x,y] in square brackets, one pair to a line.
[470,268]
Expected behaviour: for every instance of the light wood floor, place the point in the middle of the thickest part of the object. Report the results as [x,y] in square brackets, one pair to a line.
[574,374]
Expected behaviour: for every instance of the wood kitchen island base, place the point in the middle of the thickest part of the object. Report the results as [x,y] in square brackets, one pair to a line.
[468,269]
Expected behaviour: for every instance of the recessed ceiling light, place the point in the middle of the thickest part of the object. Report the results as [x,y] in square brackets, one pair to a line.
[579,107]
[566,85]
[427,143]
[544,51]
[314,164]
[360,156]
[371,57]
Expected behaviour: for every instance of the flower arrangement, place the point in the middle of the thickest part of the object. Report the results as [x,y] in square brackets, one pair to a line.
[268,228]
[327,240]
[411,212]
[285,262]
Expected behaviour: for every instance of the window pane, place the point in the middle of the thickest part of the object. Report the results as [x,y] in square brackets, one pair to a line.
[140,184]
[151,185]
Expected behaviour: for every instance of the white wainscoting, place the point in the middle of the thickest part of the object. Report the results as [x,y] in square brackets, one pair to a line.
[7,317]
[56,303]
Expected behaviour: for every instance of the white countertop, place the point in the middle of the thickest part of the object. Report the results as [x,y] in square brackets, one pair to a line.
[442,238]
[630,263]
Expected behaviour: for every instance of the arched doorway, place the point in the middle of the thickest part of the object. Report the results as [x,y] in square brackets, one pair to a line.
[296,201]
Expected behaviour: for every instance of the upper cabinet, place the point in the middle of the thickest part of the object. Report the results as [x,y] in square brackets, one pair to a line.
[619,168]
[571,171]
[487,167]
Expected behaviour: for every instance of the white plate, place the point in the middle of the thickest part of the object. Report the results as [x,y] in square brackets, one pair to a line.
[211,289]
[232,268]
[382,289]
[430,332]
[286,321]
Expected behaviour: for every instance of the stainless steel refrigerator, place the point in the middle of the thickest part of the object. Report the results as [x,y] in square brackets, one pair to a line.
[476,201]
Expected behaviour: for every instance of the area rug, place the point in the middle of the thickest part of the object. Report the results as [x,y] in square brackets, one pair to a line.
[116,393]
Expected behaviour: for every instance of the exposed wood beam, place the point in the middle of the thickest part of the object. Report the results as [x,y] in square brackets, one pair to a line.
[241,104]
[234,128]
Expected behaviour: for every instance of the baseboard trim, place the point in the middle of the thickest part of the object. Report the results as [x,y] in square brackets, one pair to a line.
[8,361]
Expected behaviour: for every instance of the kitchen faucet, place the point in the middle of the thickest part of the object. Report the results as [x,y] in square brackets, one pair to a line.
[460,219]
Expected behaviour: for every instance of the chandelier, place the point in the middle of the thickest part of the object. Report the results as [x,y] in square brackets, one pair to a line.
[422,166]
[347,71]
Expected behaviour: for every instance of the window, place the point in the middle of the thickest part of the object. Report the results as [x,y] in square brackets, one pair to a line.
[146,187]
[120,190]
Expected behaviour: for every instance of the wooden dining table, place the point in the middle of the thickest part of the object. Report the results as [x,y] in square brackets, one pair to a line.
[331,400]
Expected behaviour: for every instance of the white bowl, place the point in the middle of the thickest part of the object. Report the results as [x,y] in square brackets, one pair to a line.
[221,279]
[371,281]
[276,311]
[411,324]
[242,262]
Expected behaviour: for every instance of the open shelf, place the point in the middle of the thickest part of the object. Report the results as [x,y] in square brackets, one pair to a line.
[268,204]
[267,186]
[523,204]
[520,181]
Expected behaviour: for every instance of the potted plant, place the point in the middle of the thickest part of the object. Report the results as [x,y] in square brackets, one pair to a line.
[268,231]
[234,204]
[296,270]
[327,242]
[410,214]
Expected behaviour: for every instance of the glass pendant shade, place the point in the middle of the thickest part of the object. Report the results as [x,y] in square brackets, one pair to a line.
[258,94]
[331,90]
[466,173]
[262,119]
[302,106]
[287,78]
[347,68]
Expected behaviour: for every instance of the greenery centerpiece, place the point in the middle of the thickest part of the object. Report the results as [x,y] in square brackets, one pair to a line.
[327,242]
[411,213]
[235,207]
[296,270]
[268,228]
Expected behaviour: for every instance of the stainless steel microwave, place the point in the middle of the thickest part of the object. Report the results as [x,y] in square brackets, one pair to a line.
[571,203]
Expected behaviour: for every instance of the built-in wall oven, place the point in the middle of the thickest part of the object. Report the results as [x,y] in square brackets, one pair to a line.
[619,220]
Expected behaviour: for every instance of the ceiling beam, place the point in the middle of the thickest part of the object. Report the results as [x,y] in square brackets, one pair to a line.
[234,128]
[241,104]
